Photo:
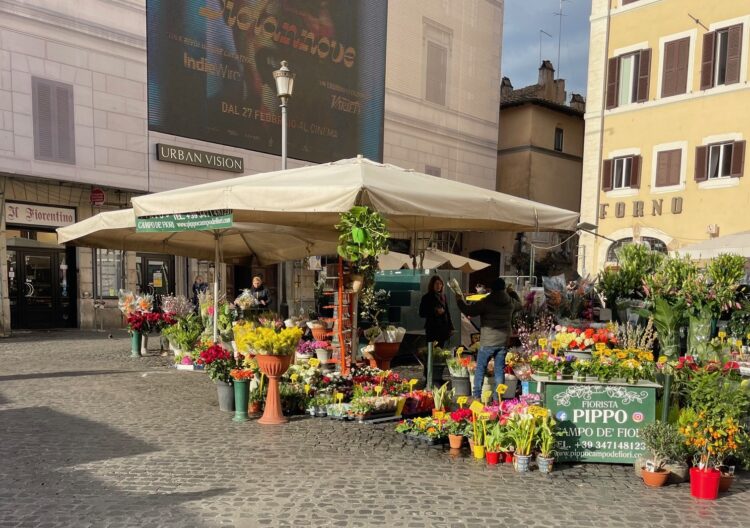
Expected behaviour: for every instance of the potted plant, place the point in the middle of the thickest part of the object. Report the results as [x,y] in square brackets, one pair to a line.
[274,350]
[581,368]
[241,382]
[219,362]
[362,237]
[455,431]
[442,397]
[322,350]
[305,350]
[184,333]
[494,442]
[522,430]
[547,436]
[663,443]
[255,400]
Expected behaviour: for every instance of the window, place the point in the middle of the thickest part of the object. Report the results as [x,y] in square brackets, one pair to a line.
[559,139]
[720,160]
[628,78]
[654,244]
[437,47]
[54,137]
[108,265]
[676,63]
[621,173]
[721,59]
[432,170]
[668,165]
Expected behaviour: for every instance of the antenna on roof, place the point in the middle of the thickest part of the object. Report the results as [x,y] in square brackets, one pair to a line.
[540,43]
[559,34]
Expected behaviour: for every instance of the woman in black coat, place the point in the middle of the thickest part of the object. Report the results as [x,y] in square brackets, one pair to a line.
[434,309]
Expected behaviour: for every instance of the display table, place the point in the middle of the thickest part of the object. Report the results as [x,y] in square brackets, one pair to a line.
[599,422]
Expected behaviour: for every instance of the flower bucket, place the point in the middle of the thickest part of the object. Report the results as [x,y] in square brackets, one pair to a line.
[521,463]
[225,393]
[725,482]
[323,354]
[462,385]
[545,464]
[455,441]
[492,458]
[241,397]
[135,344]
[479,452]
[144,344]
[704,483]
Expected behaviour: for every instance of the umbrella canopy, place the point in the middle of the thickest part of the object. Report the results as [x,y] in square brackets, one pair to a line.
[738,243]
[312,197]
[433,258]
[268,243]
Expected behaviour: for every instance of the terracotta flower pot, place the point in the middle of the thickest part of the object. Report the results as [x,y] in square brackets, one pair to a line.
[384,353]
[319,333]
[655,479]
[725,482]
[273,367]
[455,441]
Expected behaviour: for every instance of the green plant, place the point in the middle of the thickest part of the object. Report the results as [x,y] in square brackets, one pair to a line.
[547,436]
[362,237]
[636,262]
[360,406]
[443,397]
[185,332]
[522,431]
[497,437]
[455,428]
[664,443]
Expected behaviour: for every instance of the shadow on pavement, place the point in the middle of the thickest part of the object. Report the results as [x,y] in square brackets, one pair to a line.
[39,448]
[62,374]
[62,334]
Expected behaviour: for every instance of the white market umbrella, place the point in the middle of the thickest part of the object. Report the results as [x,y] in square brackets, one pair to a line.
[737,243]
[433,258]
[314,196]
[267,243]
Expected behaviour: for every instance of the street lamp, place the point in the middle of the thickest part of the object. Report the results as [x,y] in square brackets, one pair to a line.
[284,86]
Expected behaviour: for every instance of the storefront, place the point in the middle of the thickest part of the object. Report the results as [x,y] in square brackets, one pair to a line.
[41,275]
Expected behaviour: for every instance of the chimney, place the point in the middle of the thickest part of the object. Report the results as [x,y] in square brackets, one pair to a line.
[577,102]
[506,88]
[546,73]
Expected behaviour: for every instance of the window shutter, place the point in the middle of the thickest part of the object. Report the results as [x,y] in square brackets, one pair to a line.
[607,168]
[644,70]
[635,172]
[613,67]
[683,63]
[43,117]
[662,169]
[701,164]
[64,124]
[734,52]
[707,60]
[669,74]
[675,164]
[437,71]
[738,159]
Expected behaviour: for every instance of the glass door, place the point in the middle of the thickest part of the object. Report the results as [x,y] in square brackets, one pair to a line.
[155,274]
[37,308]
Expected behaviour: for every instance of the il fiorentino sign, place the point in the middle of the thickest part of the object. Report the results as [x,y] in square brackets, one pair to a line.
[198,221]
[38,215]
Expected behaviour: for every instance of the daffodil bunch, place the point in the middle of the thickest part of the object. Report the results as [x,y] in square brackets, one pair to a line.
[266,341]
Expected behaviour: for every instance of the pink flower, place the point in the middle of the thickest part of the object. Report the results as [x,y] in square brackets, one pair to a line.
[210,310]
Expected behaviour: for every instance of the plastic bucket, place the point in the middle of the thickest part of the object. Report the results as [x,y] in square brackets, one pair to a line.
[704,483]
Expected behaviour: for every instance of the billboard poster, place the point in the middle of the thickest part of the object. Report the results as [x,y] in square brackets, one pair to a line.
[211,63]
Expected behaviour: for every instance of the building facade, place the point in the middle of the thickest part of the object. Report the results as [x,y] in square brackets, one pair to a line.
[75,141]
[666,126]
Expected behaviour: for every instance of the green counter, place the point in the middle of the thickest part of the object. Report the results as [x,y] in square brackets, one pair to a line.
[599,422]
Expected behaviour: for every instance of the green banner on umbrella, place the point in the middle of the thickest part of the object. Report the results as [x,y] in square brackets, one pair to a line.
[199,221]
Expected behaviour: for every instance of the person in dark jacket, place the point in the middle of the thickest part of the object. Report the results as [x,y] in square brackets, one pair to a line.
[496,314]
[261,293]
[438,326]
[199,286]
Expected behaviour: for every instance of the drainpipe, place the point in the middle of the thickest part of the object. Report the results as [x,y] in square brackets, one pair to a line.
[4,286]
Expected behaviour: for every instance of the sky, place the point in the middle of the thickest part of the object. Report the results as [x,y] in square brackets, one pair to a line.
[524,19]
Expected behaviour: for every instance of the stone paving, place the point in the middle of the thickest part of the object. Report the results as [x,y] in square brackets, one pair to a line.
[91,437]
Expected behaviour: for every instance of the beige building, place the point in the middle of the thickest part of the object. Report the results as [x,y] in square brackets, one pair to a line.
[540,150]
[667,121]
[74,122]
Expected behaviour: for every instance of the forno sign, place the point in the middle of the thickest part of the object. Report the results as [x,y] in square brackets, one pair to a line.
[199,158]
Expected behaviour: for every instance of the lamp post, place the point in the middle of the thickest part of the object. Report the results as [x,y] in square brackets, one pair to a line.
[284,87]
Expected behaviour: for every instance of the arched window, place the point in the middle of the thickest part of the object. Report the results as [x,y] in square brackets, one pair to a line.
[654,244]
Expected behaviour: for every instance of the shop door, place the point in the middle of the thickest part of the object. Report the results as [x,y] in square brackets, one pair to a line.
[41,289]
[155,275]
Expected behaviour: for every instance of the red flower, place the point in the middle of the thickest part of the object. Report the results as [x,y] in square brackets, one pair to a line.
[460,415]
[731,365]
[214,353]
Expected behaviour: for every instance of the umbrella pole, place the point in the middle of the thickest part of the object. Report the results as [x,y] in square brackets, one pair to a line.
[216,287]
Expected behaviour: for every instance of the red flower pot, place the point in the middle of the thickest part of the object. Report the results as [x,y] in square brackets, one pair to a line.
[383,354]
[508,455]
[704,483]
[492,458]
[273,367]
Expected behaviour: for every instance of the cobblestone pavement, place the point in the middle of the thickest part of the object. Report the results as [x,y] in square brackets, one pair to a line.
[91,437]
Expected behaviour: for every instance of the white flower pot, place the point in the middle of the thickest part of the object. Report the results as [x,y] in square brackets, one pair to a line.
[323,354]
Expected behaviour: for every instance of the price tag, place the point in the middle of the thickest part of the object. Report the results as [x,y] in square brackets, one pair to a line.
[476,407]
[485,416]
[601,346]
[307,388]
[314,362]
[501,388]
[378,389]
[555,346]
[412,382]
[486,395]
[439,415]
[722,335]
[461,400]
[294,377]
[459,351]
[543,342]
[340,396]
